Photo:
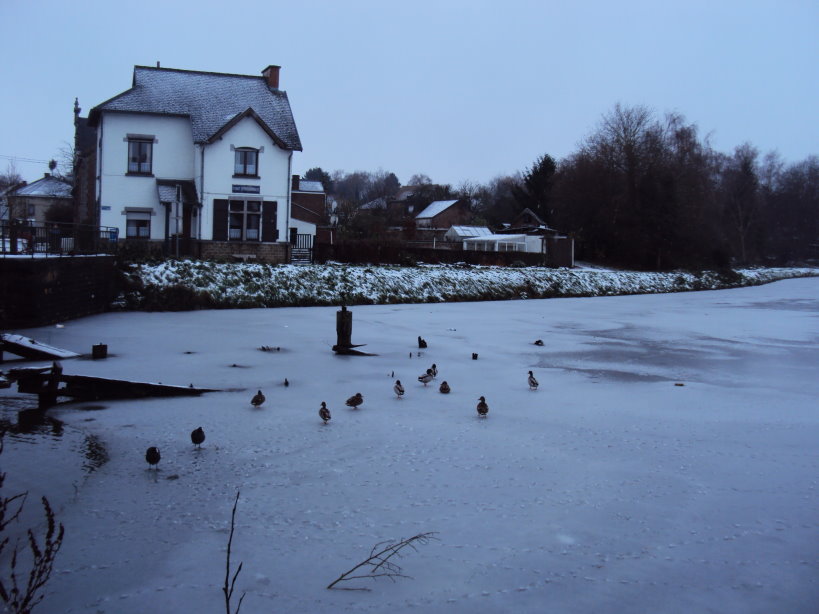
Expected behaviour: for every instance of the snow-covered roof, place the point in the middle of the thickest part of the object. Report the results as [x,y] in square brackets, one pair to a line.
[470,231]
[48,186]
[436,207]
[305,185]
[378,203]
[212,101]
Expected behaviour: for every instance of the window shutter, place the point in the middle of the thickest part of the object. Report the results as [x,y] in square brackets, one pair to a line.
[269,231]
[220,219]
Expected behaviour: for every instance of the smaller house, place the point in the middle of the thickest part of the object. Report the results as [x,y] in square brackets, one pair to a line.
[308,217]
[459,233]
[558,248]
[443,214]
[32,201]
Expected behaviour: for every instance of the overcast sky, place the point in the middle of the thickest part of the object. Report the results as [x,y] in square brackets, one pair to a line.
[458,90]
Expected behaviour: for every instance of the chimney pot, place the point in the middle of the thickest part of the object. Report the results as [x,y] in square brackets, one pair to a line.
[271,74]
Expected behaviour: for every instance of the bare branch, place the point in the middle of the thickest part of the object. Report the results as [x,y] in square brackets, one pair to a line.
[379,565]
[227,589]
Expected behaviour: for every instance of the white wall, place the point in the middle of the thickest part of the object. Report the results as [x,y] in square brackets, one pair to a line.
[274,173]
[172,158]
[176,157]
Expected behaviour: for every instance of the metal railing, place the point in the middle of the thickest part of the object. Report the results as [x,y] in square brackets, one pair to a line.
[55,239]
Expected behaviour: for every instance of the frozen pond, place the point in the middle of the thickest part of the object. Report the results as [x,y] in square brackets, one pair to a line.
[667,462]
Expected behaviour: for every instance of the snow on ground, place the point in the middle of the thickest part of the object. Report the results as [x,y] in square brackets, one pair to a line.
[610,488]
[158,286]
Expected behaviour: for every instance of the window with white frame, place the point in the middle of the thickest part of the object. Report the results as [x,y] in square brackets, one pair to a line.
[137,225]
[140,156]
[246,162]
[245,220]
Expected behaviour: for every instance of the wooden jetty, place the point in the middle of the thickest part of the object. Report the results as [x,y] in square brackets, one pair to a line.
[31,349]
[45,383]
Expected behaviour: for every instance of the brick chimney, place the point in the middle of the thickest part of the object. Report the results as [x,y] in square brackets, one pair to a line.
[271,73]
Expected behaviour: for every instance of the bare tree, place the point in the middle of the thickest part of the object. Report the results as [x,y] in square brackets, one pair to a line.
[22,595]
[380,564]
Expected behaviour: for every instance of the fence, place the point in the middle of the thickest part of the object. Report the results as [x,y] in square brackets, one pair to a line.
[54,239]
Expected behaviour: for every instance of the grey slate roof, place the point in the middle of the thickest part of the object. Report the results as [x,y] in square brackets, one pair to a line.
[166,190]
[48,186]
[211,100]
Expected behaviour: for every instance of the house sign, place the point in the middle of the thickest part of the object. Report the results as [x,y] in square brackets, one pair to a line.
[245,189]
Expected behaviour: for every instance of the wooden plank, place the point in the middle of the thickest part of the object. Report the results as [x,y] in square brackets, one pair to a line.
[31,348]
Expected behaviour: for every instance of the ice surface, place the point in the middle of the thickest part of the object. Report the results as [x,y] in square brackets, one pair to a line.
[608,489]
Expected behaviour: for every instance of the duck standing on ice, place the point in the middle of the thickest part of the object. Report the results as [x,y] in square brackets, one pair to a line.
[324,413]
[426,378]
[399,389]
[482,408]
[355,400]
[257,399]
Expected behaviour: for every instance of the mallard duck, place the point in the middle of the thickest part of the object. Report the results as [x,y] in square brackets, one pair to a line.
[257,399]
[426,378]
[532,382]
[399,389]
[444,388]
[197,437]
[152,456]
[355,400]
[421,342]
[324,413]
[483,408]
[434,369]
[539,342]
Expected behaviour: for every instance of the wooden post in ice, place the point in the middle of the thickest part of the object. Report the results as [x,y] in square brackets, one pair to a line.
[344,328]
[47,397]
[344,334]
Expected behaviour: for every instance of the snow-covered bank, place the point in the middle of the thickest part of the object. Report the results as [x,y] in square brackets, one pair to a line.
[608,489]
[196,284]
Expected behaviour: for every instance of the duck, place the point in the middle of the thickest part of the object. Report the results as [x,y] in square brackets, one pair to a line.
[197,437]
[152,455]
[533,384]
[539,342]
[482,408]
[444,388]
[421,342]
[434,370]
[257,399]
[355,400]
[399,389]
[324,413]
[426,378]
[286,383]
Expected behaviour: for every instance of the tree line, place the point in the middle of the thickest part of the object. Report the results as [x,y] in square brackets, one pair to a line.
[641,191]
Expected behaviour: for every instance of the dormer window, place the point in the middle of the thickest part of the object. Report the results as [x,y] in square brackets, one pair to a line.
[246,162]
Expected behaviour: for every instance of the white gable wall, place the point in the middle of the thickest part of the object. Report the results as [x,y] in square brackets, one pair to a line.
[173,158]
[219,158]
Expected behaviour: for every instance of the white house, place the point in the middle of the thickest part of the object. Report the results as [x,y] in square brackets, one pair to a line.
[197,161]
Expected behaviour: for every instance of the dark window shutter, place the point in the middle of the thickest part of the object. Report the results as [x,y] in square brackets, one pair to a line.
[220,219]
[269,231]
